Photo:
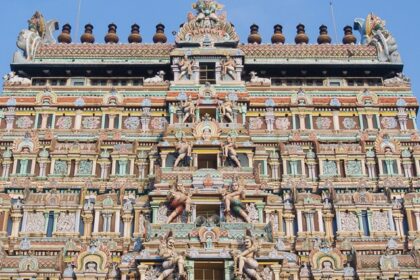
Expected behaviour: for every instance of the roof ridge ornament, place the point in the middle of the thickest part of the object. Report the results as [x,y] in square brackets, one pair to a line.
[207,28]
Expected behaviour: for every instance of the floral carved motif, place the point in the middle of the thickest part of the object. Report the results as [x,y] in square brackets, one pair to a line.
[323,123]
[349,222]
[282,123]
[64,122]
[255,123]
[35,222]
[66,222]
[380,221]
[389,122]
[132,123]
[24,122]
[91,122]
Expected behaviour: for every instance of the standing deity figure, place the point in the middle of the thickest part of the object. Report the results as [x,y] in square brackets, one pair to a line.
[185,68]
[233,201]
[207,9]
[245,261]
[226,109]
[179,200]
[230,152]
[188,109]
[172,260]
[228,67]
[183,149]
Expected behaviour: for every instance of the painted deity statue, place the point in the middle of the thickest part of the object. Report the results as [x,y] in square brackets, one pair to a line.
[233,203]
[228,67]
[230,152]
[37,24]
[226,109]
[245,261]
[183,149]
[185,67]
[188,109]
[179,200]
[207,9]
[172,260]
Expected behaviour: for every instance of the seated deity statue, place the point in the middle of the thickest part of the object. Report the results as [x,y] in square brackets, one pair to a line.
[229,152]
[207,9]
[188,109]
[179,200]
[226,109]
[233,203]
[183,149]
[173,262]
[245,262]
[185,68]
[228,68]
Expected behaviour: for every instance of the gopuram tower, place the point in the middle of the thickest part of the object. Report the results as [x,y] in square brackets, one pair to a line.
[207,158]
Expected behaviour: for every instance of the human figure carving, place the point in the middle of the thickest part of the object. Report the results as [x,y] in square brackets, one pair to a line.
[179,200]
[188,108]
[230,152]
[185,67]
[184,150]
[233,202]
[245,261]
[226,109]
[172,260]
[228,67]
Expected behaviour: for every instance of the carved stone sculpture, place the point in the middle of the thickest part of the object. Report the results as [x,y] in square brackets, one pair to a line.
[173,262]
[179,200]
[233,201]
[349,222]
[229,152]
[12,79]
[185,66]
[228,68]
[188,109]
[35,222]
[158,79]
[245,261]
[66,222]
[183,149]
[255,80]
[226,109]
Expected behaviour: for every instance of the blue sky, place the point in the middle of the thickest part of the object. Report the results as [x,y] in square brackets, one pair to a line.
[402,17]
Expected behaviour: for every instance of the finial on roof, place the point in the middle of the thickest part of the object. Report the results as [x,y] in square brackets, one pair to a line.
[160,36]
[278,37]
[65,37]
[111,37]
[88,37]
[349,38]
[301,37]
[135,36]
[323,37]
[254,37]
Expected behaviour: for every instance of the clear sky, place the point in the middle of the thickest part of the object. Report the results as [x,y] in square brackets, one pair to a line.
[402,17]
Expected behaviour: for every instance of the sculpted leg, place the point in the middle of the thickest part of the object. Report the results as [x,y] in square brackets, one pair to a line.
[245,216]
[227,204]
[179,158]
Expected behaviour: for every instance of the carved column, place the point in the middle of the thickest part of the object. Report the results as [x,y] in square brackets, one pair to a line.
[276,271]
[87,217]
[127,218]
[44,120]
[402,118]
[142,268]
[16,217]
[10,119]
[78,120]
[302,121]
[336,120]
[328,217]
[369,121]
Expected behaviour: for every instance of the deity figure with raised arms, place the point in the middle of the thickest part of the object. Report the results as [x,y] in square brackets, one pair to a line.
[233,201]
[226,109]
[207,9]
[179,200]
[245,262]
[183,149]
[188,109]
[228,67]
[185,66]
[230,152]
[172,260]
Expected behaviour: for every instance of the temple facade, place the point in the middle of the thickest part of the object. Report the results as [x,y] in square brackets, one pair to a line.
[207,158]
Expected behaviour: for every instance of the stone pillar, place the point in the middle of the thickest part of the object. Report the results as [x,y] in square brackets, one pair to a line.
[189,267]
[44,120]
[78,120]
[302,121]
[16,217]
[142,268]
[276,271]
[111,122]
[155,208]
[260,208]
[336,120]
[229,268]
[369,121]
[87,217]
[127,219]
[10,119]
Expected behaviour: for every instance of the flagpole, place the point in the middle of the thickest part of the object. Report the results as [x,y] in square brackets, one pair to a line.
[333,20]
[79,8]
